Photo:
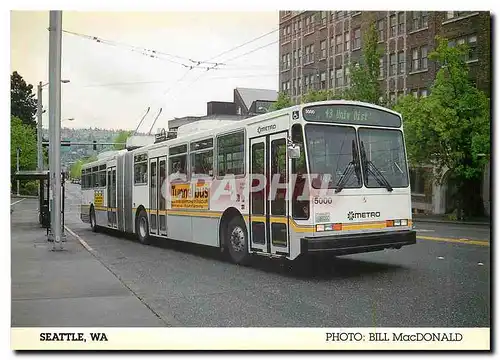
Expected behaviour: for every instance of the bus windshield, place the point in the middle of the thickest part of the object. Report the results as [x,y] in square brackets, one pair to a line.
[385,154]
[332,153]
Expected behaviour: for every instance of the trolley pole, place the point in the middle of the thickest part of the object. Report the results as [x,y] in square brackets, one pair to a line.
[55,44]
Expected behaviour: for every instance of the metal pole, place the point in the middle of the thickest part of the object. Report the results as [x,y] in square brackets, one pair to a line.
[55,44]
[17,163]
[39,111]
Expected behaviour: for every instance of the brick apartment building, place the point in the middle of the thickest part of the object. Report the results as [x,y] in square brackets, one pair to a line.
[316,48]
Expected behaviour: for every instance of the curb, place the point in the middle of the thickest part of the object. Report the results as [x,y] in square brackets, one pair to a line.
[24,196]
[452,222]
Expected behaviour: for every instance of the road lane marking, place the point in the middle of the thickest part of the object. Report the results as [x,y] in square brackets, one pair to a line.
[17,202]
[460,241]
[84,244]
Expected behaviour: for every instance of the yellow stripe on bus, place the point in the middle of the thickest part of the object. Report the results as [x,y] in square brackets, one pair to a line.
[275,219]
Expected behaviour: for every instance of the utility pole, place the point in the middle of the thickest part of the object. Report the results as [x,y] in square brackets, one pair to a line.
[55,53]
[18,150]
[39,111]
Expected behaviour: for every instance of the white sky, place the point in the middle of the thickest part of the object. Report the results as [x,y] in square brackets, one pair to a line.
[98,93]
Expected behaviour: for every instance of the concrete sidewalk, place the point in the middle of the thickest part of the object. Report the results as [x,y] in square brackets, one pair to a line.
[65,288]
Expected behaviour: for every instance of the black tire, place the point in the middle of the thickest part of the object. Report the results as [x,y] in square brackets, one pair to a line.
[237,241]
[142,228]
[93,224]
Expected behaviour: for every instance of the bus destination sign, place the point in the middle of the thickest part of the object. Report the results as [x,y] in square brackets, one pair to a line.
[351,114]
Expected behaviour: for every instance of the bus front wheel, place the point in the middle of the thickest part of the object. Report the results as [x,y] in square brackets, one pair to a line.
[237,241]
[142,228]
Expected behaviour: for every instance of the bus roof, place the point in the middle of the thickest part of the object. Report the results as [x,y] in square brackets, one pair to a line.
[235,125]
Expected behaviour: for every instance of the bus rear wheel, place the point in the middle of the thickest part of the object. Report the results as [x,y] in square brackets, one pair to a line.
[237,241]
[142,228]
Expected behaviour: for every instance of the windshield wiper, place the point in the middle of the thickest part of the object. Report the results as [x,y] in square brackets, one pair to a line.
[353,166]
[370,166]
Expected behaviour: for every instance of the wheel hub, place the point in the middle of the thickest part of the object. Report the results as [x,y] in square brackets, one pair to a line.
[238,239]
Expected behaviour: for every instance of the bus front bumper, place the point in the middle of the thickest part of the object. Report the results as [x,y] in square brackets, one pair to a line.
[357,243]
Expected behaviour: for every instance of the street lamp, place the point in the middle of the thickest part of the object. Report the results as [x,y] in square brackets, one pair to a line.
[39,113]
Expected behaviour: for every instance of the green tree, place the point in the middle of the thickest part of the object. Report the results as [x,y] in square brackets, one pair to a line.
[23,137]
[22,99]
[282,102]
[450,128]
[364,83]
[121,138]
[320,95]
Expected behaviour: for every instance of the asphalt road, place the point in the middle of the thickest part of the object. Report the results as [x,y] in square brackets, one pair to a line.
[442,281]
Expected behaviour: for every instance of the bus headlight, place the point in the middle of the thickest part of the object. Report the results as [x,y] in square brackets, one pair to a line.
[404,222]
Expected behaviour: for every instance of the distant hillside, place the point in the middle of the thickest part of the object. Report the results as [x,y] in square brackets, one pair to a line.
[77,152]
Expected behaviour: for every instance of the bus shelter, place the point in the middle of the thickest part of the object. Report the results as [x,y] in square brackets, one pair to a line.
[43,178]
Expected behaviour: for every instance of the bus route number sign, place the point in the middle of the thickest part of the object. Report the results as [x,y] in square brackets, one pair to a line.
[351,114]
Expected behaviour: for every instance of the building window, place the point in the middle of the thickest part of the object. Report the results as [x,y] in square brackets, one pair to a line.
[309,53]
[455,14]
[322,46]
[425,19]
[346,41]
[415,93]
[356,43]
[283,62]
[299,56]
[295,63]
[339,77]
[393,68]
[401,60]
[381,30]
[322,77]
[332,78]
[420,20]
[347,78]
[472,42]
[419,58]
[401,23]
[140,169]
[338,44]
[423,53]
[230,154]
[392,98]
[381,67]
[393,25]
[323,18]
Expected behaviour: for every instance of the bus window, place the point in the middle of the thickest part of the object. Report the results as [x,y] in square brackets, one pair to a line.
[300,208]
[102,176]
[141,169]
[95,179]
[230,154]
[177,163]
[202,156]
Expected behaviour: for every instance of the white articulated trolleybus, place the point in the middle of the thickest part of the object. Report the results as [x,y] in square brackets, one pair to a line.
[329,176]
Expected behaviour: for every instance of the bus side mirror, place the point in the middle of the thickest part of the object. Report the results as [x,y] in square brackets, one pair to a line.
[293,151]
